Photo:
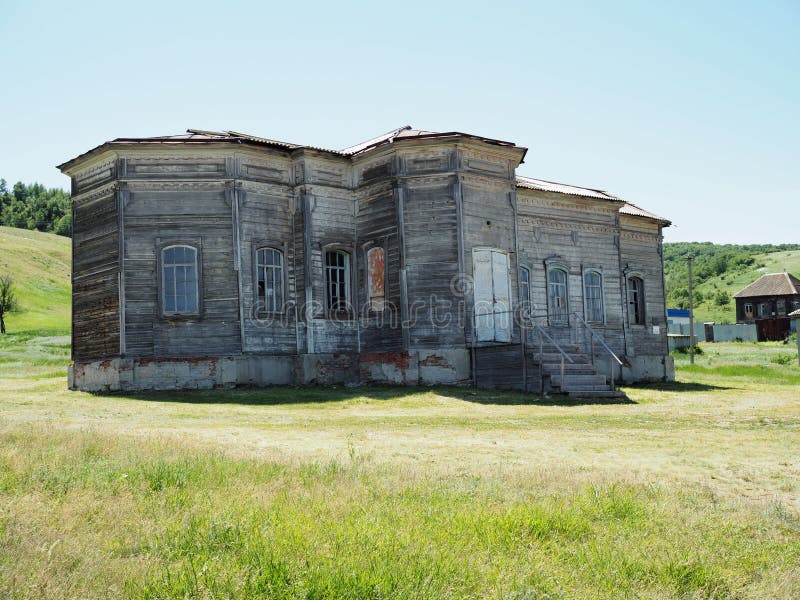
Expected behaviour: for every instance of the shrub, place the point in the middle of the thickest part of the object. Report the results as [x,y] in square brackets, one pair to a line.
[782,359]
[685,350]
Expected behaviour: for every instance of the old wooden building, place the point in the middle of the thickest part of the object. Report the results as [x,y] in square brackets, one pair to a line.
[767,302]
[219,258]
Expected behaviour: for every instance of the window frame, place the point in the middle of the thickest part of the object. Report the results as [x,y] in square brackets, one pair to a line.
[526,300]
[551,320]
[641,303]
[196,247]
[599,273]
[369,249]
[330,311]
[257,248]
[749,314]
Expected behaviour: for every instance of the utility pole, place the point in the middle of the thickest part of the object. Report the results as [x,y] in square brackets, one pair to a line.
[689,260]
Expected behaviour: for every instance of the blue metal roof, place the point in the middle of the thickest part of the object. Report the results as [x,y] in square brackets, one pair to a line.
[677,312]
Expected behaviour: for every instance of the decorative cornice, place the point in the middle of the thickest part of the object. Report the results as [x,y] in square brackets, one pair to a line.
[167,185]
[95,194]
[567,226]
[540,202]
[486,182]
[641,236]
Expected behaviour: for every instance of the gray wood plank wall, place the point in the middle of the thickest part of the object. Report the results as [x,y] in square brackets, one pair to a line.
[453,198]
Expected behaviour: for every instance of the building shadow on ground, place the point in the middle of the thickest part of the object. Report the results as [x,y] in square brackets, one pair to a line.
[679,386]
[279,395]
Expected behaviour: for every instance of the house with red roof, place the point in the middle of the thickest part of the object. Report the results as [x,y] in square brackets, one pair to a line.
[768,302]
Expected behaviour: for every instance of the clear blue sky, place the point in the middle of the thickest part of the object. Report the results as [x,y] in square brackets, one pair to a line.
[690,109]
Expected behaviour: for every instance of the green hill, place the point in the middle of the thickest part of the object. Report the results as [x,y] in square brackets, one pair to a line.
[39,264]
[719,272]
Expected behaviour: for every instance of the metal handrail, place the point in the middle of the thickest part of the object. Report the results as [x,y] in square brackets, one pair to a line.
[599,339]
[595,335]
[542,334]
[540,330]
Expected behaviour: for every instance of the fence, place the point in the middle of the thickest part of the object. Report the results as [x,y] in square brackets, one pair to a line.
[719,333]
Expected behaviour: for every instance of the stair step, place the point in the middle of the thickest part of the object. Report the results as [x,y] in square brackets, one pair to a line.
[588,387]
[595,394]
[577,368]
[555,358]
[578,380]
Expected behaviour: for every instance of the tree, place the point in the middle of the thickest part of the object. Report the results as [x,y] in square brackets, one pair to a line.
[8,301]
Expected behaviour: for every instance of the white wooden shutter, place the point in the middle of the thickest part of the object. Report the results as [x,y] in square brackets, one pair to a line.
[484,295]
[502,297]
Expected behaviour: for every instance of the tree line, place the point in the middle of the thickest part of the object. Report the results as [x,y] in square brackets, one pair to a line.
[710,260]
[34,206]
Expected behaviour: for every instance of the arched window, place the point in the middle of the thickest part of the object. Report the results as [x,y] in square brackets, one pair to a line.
[179,289]
[337,280]
[557,294]
[636,314]
[525,288]
[269,279]
[376,278]
[593,297]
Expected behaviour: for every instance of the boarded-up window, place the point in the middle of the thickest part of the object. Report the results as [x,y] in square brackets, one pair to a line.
[376,278]
[593,296]
[337,280]
[269,279]
[557,303]
[179,293]
[748,310]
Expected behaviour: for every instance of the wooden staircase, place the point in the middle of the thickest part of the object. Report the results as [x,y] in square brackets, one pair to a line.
[578,378]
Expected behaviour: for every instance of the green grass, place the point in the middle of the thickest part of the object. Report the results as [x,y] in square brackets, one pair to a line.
[39,264]
[688,491]
[774,262]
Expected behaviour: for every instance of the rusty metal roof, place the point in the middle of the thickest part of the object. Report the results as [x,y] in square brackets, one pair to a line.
[629,208]
[202,136]
[771,284]
[562,188]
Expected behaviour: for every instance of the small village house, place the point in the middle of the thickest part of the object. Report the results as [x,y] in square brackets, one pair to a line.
[767,302]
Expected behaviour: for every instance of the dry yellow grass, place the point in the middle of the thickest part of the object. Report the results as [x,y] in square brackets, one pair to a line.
[690,490]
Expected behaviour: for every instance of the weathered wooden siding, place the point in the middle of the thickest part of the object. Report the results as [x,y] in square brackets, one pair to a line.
[432,262]
[95,274]
[100,173]
[333,226]
[377,227]
[641,255]
[266,213]
[488,222]
[164,213]
[577,233]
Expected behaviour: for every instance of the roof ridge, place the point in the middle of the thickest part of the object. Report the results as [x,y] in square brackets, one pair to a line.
[389,135]
[583,187]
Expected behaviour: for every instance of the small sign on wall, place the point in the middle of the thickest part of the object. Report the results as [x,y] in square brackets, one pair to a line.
[656,329]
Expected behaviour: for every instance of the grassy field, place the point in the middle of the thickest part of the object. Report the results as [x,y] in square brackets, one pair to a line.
[39,264]
[774,262]
[689,490]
